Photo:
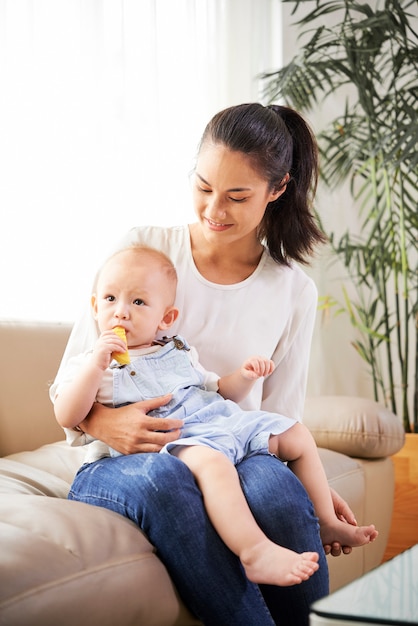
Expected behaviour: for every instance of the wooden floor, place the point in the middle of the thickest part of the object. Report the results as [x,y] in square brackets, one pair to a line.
[404,528]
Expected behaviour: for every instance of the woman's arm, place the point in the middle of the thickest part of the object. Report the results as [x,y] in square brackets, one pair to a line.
[129,429]
[284,390]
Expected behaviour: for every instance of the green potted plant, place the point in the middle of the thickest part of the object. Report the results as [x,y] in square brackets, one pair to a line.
[368,53]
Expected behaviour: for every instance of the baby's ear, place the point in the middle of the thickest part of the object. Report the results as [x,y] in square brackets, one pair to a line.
[169,318]
[93,302]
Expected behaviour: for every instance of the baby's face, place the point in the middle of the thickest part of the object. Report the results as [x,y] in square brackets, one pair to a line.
[135,293]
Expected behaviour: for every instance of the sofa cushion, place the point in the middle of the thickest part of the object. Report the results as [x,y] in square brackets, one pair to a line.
[86,565]
[358,427]
[51,463]
[26,413]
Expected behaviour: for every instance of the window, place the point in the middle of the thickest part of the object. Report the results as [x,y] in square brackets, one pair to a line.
[102,104]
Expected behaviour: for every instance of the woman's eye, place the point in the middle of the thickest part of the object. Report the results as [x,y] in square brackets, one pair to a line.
[203,190]
[139,302]
[238,199]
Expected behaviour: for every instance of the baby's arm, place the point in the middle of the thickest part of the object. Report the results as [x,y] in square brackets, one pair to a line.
[75,399]
[237,385]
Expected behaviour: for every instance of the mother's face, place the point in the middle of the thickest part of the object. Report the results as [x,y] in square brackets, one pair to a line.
[229,195]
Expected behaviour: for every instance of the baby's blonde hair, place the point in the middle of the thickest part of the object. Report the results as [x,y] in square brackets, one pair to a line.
[162,261]
[153,253]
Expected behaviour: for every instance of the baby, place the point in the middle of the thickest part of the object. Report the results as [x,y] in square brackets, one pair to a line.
[136,291]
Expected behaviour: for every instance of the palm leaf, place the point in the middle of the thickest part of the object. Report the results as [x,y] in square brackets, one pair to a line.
[372,144]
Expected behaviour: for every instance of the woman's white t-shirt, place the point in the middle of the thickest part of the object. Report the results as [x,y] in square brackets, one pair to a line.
[271,313]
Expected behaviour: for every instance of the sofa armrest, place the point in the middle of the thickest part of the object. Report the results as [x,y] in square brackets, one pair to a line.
[358,427]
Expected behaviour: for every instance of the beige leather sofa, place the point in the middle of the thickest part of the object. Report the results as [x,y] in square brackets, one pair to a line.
[65,563]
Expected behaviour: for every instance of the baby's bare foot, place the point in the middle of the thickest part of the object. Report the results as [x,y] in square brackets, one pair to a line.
[346,534]
[270,564]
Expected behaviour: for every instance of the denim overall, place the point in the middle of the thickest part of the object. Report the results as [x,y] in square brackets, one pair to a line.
[208,418]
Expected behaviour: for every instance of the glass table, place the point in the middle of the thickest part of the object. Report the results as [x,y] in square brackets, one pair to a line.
[386,595]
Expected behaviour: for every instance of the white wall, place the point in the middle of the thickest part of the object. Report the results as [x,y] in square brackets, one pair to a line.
[102,105]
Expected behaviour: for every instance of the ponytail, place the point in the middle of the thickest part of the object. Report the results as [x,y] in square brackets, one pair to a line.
[278,142]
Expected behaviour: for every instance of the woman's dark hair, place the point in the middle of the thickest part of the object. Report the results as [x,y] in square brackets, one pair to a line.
[278,141]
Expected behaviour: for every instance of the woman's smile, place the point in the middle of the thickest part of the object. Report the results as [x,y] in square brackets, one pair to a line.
[218,226]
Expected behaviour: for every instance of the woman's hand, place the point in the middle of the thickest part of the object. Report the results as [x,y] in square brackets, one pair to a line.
[129,429]
[344,513]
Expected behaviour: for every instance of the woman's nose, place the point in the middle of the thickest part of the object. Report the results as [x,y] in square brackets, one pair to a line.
[215,209]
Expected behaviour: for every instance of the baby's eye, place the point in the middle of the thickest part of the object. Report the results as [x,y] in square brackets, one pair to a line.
[139,302]
[110,298]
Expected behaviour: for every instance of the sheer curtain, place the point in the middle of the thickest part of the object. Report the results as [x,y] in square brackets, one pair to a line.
[102,104]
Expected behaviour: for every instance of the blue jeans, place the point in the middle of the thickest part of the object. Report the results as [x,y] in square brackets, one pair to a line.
[158,493]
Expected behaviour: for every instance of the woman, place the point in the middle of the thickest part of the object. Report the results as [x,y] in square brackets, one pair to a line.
[240,293]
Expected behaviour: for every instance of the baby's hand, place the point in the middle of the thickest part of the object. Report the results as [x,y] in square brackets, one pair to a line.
[107,343]
[256,367]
